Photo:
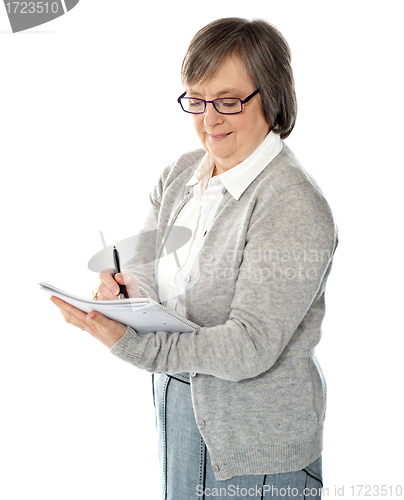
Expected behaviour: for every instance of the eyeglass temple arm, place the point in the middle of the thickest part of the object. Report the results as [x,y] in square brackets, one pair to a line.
[249,97]
[245,100]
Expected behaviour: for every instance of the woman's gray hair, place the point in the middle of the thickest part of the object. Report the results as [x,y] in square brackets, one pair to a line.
[265,55]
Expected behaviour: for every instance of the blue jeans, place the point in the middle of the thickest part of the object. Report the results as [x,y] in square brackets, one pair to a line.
[185,462]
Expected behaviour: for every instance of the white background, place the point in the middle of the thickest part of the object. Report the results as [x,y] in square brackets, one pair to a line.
[82,144]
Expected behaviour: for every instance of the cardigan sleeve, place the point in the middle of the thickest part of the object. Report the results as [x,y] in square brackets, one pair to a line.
[272,300]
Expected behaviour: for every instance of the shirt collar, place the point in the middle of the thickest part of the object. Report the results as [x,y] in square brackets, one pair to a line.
[237,179]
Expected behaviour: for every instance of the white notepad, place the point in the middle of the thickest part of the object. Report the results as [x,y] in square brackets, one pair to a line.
[143,315]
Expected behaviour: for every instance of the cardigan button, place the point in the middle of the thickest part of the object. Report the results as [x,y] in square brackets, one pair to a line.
[193,374]
[187,278]
[224,190]
[201,424]
[215,468]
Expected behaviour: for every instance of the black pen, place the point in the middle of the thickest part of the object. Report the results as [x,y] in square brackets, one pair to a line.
[118,270]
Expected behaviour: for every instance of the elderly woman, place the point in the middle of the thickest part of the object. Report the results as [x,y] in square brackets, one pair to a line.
[240,404]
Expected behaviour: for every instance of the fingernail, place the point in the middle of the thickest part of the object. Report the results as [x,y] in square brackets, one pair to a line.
[115,290]
[91,316]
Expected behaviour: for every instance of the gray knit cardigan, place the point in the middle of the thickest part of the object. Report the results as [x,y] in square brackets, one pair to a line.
[257,291]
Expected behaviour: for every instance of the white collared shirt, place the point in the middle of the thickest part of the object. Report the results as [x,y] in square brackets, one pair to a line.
[199,212]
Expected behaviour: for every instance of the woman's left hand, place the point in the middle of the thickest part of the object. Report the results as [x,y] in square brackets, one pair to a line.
[107,331]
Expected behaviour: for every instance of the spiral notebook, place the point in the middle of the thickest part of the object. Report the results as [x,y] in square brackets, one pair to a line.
[143,315]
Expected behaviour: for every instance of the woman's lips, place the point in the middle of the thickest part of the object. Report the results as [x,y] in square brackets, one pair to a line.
[219,137]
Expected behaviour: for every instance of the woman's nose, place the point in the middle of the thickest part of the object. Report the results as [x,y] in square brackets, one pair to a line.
[212,117]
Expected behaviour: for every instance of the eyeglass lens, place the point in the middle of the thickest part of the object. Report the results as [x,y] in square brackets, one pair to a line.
[225,106]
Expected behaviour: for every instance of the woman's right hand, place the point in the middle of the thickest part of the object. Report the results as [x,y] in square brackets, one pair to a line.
[108,287]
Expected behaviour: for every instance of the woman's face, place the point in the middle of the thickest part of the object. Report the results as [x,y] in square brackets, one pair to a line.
[230,139]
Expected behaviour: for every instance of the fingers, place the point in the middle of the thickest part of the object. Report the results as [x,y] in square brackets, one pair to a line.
[99,296]
[131,283]
[102,328]
[108,289]
[72,321]
[106,330]
[71,314]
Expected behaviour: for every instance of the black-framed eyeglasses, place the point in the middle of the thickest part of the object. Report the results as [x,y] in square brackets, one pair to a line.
[223,105]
